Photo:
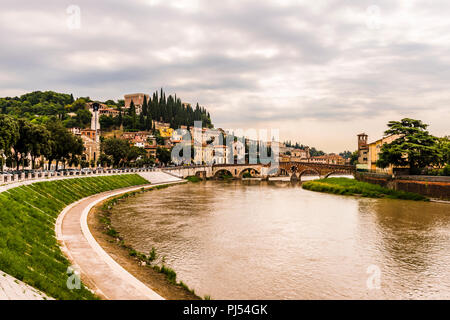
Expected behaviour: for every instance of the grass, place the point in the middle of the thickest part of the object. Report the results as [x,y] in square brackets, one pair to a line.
[143,259]
[194,179]
[345,186]
[29,250]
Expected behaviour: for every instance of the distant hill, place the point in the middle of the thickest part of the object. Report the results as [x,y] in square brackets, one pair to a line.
[41,106]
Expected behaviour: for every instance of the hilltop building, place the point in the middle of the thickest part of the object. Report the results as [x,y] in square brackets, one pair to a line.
[138,100]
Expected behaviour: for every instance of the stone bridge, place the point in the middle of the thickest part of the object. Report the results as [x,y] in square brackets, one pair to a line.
[214,171]
[292,169]
[295,170]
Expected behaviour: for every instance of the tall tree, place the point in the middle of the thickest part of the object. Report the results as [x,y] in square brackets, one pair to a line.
[145,106]
[40,146]
[414,147]
[9,134]
[117,149]
[23,144]
[63,145]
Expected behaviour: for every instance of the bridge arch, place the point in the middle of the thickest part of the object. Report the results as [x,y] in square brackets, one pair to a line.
[249,169]
[219,172]
[339,172]
[308,170]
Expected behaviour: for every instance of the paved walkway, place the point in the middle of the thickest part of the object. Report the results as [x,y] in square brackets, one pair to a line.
[103,274]
[13,289]
[109,278]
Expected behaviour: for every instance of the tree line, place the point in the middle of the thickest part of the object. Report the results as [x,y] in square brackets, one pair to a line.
[313,152]
[39,107]
[23,142]
[157,108]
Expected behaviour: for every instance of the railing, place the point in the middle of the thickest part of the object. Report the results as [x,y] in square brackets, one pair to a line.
[6,178]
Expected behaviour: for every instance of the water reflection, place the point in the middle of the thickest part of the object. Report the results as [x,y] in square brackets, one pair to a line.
[274,240]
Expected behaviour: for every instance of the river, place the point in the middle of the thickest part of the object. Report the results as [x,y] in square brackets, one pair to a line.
[274,240]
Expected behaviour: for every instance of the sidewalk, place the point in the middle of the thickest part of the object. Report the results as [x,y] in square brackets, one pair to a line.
[13,289]
[98,270]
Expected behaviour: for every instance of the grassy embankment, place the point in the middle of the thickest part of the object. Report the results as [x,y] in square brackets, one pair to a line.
[194,179]
[150,260]
[345,186]
[29,250]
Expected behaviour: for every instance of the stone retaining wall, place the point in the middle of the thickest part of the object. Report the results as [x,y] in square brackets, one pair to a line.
[431,186]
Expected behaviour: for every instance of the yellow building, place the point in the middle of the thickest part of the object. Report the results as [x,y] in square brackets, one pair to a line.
[166,132]
[374,153]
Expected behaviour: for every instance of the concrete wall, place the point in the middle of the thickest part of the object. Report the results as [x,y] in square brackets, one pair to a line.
[431,186]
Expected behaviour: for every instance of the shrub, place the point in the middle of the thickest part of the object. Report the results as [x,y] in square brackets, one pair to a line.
[446,170]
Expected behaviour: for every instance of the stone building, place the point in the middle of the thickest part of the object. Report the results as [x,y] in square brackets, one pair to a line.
[138,100]
[363,151]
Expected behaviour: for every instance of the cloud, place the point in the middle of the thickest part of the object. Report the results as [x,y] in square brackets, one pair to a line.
[273,63]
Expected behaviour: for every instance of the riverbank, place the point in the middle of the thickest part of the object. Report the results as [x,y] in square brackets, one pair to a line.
[29,250]
[156,276]
[345,186]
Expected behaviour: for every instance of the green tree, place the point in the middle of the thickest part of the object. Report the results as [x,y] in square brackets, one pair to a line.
[22,146]
[354,158]
[444,147]
[163,155]
[39,142]
[83,117]
[414,147]
[9,133]
[133,153]
[117,149]
[63,145]
[141,121]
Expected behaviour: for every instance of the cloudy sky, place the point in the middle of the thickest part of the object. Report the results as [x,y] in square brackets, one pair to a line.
[319,71]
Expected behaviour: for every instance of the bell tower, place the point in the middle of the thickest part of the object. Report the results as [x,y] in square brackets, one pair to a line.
[362,141]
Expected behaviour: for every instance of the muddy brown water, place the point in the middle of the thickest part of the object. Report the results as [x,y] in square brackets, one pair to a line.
[274,240]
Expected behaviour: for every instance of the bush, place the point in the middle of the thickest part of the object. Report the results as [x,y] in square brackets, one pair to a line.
[170,274]
[446,170]
[193,179]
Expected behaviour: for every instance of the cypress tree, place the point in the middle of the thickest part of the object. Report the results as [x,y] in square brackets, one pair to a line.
[145,106]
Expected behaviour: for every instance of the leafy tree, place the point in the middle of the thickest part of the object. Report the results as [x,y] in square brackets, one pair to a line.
[9,134]
[133,153]
[107,122]
[354,158]
[83,117]
[444,147]
[414,147]
[63,145]
[24,144]
[117,149]
[163,155]
[104,160]
[40,137]
[346,154]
